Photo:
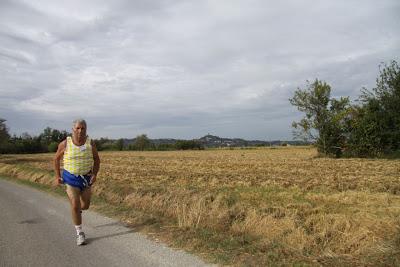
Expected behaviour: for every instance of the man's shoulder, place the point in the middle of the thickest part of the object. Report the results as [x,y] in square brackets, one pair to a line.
[89,140]
[63,143]
[61,147]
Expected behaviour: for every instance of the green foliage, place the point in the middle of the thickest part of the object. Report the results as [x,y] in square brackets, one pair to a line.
[325,120]
[50,135]
[50,138]
[142,142]
[52,147]
[4,135]
[26,144]
[165,147]
[47,141]
[119,144]
[371,128]
[188,144]
[375,127]
[103,144]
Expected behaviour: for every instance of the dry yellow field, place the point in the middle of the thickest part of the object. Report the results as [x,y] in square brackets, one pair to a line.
[266,206]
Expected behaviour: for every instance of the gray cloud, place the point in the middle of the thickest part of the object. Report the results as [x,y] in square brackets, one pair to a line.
[184,68]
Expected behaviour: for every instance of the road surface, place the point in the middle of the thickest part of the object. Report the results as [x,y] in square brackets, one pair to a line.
[36,230]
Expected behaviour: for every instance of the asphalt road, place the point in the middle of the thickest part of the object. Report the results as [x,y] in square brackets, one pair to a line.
[36,230]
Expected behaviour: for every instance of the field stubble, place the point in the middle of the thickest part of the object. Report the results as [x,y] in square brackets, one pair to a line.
[256,206]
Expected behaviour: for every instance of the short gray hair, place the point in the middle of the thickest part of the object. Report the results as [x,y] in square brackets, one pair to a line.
[80,121]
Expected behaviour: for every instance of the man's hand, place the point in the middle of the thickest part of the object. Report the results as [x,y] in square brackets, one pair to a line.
[58,181]
[92,179]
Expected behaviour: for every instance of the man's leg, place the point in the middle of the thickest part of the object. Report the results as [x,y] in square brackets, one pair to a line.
[74,194]
[85,198]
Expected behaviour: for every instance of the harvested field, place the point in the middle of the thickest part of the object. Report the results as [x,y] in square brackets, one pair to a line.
[254,206]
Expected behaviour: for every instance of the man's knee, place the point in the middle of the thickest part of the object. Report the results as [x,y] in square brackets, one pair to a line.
[85,198]
[85,205]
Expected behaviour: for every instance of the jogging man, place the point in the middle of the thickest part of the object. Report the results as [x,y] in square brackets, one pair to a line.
[81,164]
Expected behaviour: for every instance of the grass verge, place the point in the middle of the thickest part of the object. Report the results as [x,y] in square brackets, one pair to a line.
[213,246]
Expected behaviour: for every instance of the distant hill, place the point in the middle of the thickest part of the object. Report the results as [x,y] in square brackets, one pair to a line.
[216,141]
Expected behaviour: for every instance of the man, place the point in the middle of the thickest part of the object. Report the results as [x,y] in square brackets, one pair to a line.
[81,164]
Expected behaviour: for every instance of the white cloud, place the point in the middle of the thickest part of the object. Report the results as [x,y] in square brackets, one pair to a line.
[184,68]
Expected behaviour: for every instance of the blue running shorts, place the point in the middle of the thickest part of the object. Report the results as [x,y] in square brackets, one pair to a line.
[79,181]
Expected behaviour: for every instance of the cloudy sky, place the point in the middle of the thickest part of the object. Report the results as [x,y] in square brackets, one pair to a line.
[182,69]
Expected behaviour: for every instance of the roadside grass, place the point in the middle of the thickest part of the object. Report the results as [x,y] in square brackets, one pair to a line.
[257,207]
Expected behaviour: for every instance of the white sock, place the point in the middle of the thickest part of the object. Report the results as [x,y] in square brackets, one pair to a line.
[78,229]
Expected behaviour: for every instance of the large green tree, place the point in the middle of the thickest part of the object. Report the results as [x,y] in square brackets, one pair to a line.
[4,135]
[376,124]
[326,119]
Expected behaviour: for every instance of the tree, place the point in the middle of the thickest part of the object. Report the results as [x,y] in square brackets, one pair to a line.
[103,144]
[58,136]
[4,135]
[376,126]
[326,119]
[46,137]
[27,144]
[142,142]
[50,135]
[119,144]
[5,147]
[52,147]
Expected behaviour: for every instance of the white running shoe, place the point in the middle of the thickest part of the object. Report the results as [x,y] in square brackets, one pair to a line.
[80,240]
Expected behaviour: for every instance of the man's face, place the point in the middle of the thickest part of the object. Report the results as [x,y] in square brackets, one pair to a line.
[79,130]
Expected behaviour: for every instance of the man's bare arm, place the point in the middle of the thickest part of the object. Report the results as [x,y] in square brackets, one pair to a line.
[57,162]
[96,164]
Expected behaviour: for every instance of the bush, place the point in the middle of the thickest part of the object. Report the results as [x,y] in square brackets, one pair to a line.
[375,129]
[165,147]
[188,144]
[52,147]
